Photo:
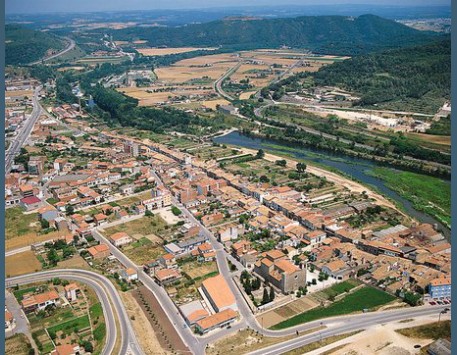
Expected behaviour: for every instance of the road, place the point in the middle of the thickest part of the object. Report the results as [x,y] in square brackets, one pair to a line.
[71,45]
[17,251]
[343,325]
[24,132]
[218,83]
[109,298]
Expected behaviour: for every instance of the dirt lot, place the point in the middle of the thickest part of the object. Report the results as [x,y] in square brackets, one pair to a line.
[166,51]
[196,269]
[17,345]
[166,334]
[213,103]
[29,239]
[275,316]
[246,95]
[22,263]
[443,140]
[76,262]
[147,336]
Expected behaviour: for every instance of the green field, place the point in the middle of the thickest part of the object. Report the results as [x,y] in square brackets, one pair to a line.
[17,223]
[427,193]
[70,325]
[357,301]
[340,288]
[96,310]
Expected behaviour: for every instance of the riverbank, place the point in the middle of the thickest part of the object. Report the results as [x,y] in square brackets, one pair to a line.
[332,177]
[428,194]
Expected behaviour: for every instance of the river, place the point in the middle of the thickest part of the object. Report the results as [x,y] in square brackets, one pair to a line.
[357,168]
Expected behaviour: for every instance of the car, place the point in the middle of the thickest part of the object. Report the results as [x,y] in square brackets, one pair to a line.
[417,346]
[432,303]
[439,302]
[447,309]
[445,301]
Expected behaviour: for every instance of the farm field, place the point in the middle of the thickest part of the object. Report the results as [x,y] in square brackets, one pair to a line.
[17,223]
[364,298]
[21,263]
[166,51]
[18,344]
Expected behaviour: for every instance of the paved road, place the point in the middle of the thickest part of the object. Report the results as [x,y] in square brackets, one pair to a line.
[17,251]
[161,295]
[71,45]
[218,83]
[24,133]
[342,325]
[109,298]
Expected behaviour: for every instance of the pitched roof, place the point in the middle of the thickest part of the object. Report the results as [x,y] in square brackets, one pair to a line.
[219,291]
[217,318]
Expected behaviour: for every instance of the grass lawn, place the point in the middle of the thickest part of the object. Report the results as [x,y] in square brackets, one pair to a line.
[96,310]
[429,331]
[428,194]
[70,325]
[364,298]
[19,294]
[100,332]
[141,242]
[17,223]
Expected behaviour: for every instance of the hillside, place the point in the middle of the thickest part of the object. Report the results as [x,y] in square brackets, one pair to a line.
[416,78]
[322,34]
[23,45]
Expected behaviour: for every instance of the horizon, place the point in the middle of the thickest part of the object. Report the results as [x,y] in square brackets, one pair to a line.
[13,7]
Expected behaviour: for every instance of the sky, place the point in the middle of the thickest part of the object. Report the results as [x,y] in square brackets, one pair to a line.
[32,6]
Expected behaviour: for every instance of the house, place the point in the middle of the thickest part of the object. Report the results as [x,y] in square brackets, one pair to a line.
[67,349]
[30,203]
[190,244]
[277,269]
[440,347]
[204,252]
[212,219]
[100,219]
[166,276]
[99,251]
[315,237]
[168,261]
[71,292]
[119,239]
[218,293]
[48,213]
[440,287]
[336,269]
[229,232]
[240,248]
[217,320]
[40,301]
[129,274]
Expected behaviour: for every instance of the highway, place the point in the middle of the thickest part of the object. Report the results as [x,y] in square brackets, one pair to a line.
[218,83]
[24,132]
[109,298]
[71,45]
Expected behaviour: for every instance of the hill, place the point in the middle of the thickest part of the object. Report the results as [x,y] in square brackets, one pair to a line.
[416,78]
[323,34]
[23,46]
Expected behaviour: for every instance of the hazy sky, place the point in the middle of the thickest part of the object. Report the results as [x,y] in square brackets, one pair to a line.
[31,6]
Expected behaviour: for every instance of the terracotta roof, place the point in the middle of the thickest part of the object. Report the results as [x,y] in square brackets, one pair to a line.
[286,266]
[164,274]
[216,319]
[219,291]
[71,286]
[119,235]
[40,298]
[441,281]
[335,265]
[98,249]
[197,315]
[275,254]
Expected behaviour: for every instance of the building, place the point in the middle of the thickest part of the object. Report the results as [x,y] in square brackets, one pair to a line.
[67,349]
[204,252]
[440,347]
[441,287]
[9,319]
[99,251]
[161,198]
[193,312]
[219,294]
[228,109]
[229,232]
[119,239]
[278,270]
[40,301]
[168,261]
[336,269]
[30,203]
[129,274]
[71,292]
[166,276]
[217,320]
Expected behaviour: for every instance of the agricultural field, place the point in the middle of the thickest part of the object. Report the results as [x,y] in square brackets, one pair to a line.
[165,51]
[211,152]
[363,298]
[144,226]
[21,263]
[17,223]
[18,344]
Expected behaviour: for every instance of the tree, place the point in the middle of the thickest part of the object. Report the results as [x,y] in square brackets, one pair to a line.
[53,257]
[272,294]
[44,224]
[301,167]
[69,209]
[264,178]
[281,162]
[266,296]
[260,154]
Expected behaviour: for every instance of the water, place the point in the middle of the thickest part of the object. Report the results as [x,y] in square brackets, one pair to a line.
[355,167]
